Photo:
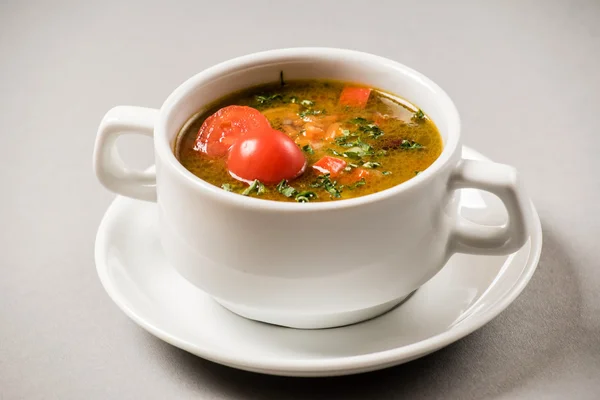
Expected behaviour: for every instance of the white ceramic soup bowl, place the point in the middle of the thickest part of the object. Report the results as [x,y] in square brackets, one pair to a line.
[310,265]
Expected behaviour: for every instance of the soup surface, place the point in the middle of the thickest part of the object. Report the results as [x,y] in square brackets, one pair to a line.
[349,141]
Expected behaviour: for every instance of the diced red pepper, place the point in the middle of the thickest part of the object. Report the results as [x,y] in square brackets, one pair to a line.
[330,165]
[313,133]
[355,96]
[357,174]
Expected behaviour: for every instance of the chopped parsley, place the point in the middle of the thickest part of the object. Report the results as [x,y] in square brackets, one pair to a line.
[360,144]
[358,121]
[305,113]
[371,164]
[265,100]
[255,186]
[308,104]
[409,144]
[324,182]
[305,197]
[307,149]
[354,153]
[372,130]
[419,115]
[362,182]
[367,127]
[358,150]
[227,187]
[344,140]
[350,167]
[387,172]
[285,189]
[293,99]
[288,191]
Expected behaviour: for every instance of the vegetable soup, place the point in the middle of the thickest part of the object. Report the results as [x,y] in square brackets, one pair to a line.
[308,140]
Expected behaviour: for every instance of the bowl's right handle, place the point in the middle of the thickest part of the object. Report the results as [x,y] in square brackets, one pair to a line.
[503,181]
[110,169]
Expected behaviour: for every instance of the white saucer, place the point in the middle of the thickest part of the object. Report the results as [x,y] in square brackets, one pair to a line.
[465,295]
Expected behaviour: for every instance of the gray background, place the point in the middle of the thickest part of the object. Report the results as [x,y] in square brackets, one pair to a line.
[525,76]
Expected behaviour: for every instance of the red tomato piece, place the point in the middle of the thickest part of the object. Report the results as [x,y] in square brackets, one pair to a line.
[355,96]
[222,129]
[313,133]
[360,173]
[356,175]
[330,165]
[267,155]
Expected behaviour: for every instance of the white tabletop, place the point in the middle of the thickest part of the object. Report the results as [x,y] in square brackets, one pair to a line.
[525,76]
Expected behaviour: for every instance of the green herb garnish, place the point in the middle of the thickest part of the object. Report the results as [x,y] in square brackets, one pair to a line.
[324,181]
[367,127]
[293,99]
[307,149]
[409,144]
[255,186]
[285,189]
[371,164]
[350,167]
[260,188]
[344,140]
[288,191]
[305,197]
[308,112]
[358,150]
[417,172]
[355,155]
[227,187]
[362,182]
[419,115]
[362,145]
[387,172]
[265,100]
[307,103]
[358,121]
[372,130]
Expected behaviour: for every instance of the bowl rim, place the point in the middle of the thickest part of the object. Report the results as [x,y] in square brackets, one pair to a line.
[164,151]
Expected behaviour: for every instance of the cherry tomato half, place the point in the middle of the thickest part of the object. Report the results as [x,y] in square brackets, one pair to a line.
[222,129]
[267,155]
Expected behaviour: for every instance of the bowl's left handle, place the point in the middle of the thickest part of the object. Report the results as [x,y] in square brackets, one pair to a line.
[108,165]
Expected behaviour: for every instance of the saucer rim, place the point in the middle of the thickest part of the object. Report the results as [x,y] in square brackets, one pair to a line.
[330,366]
